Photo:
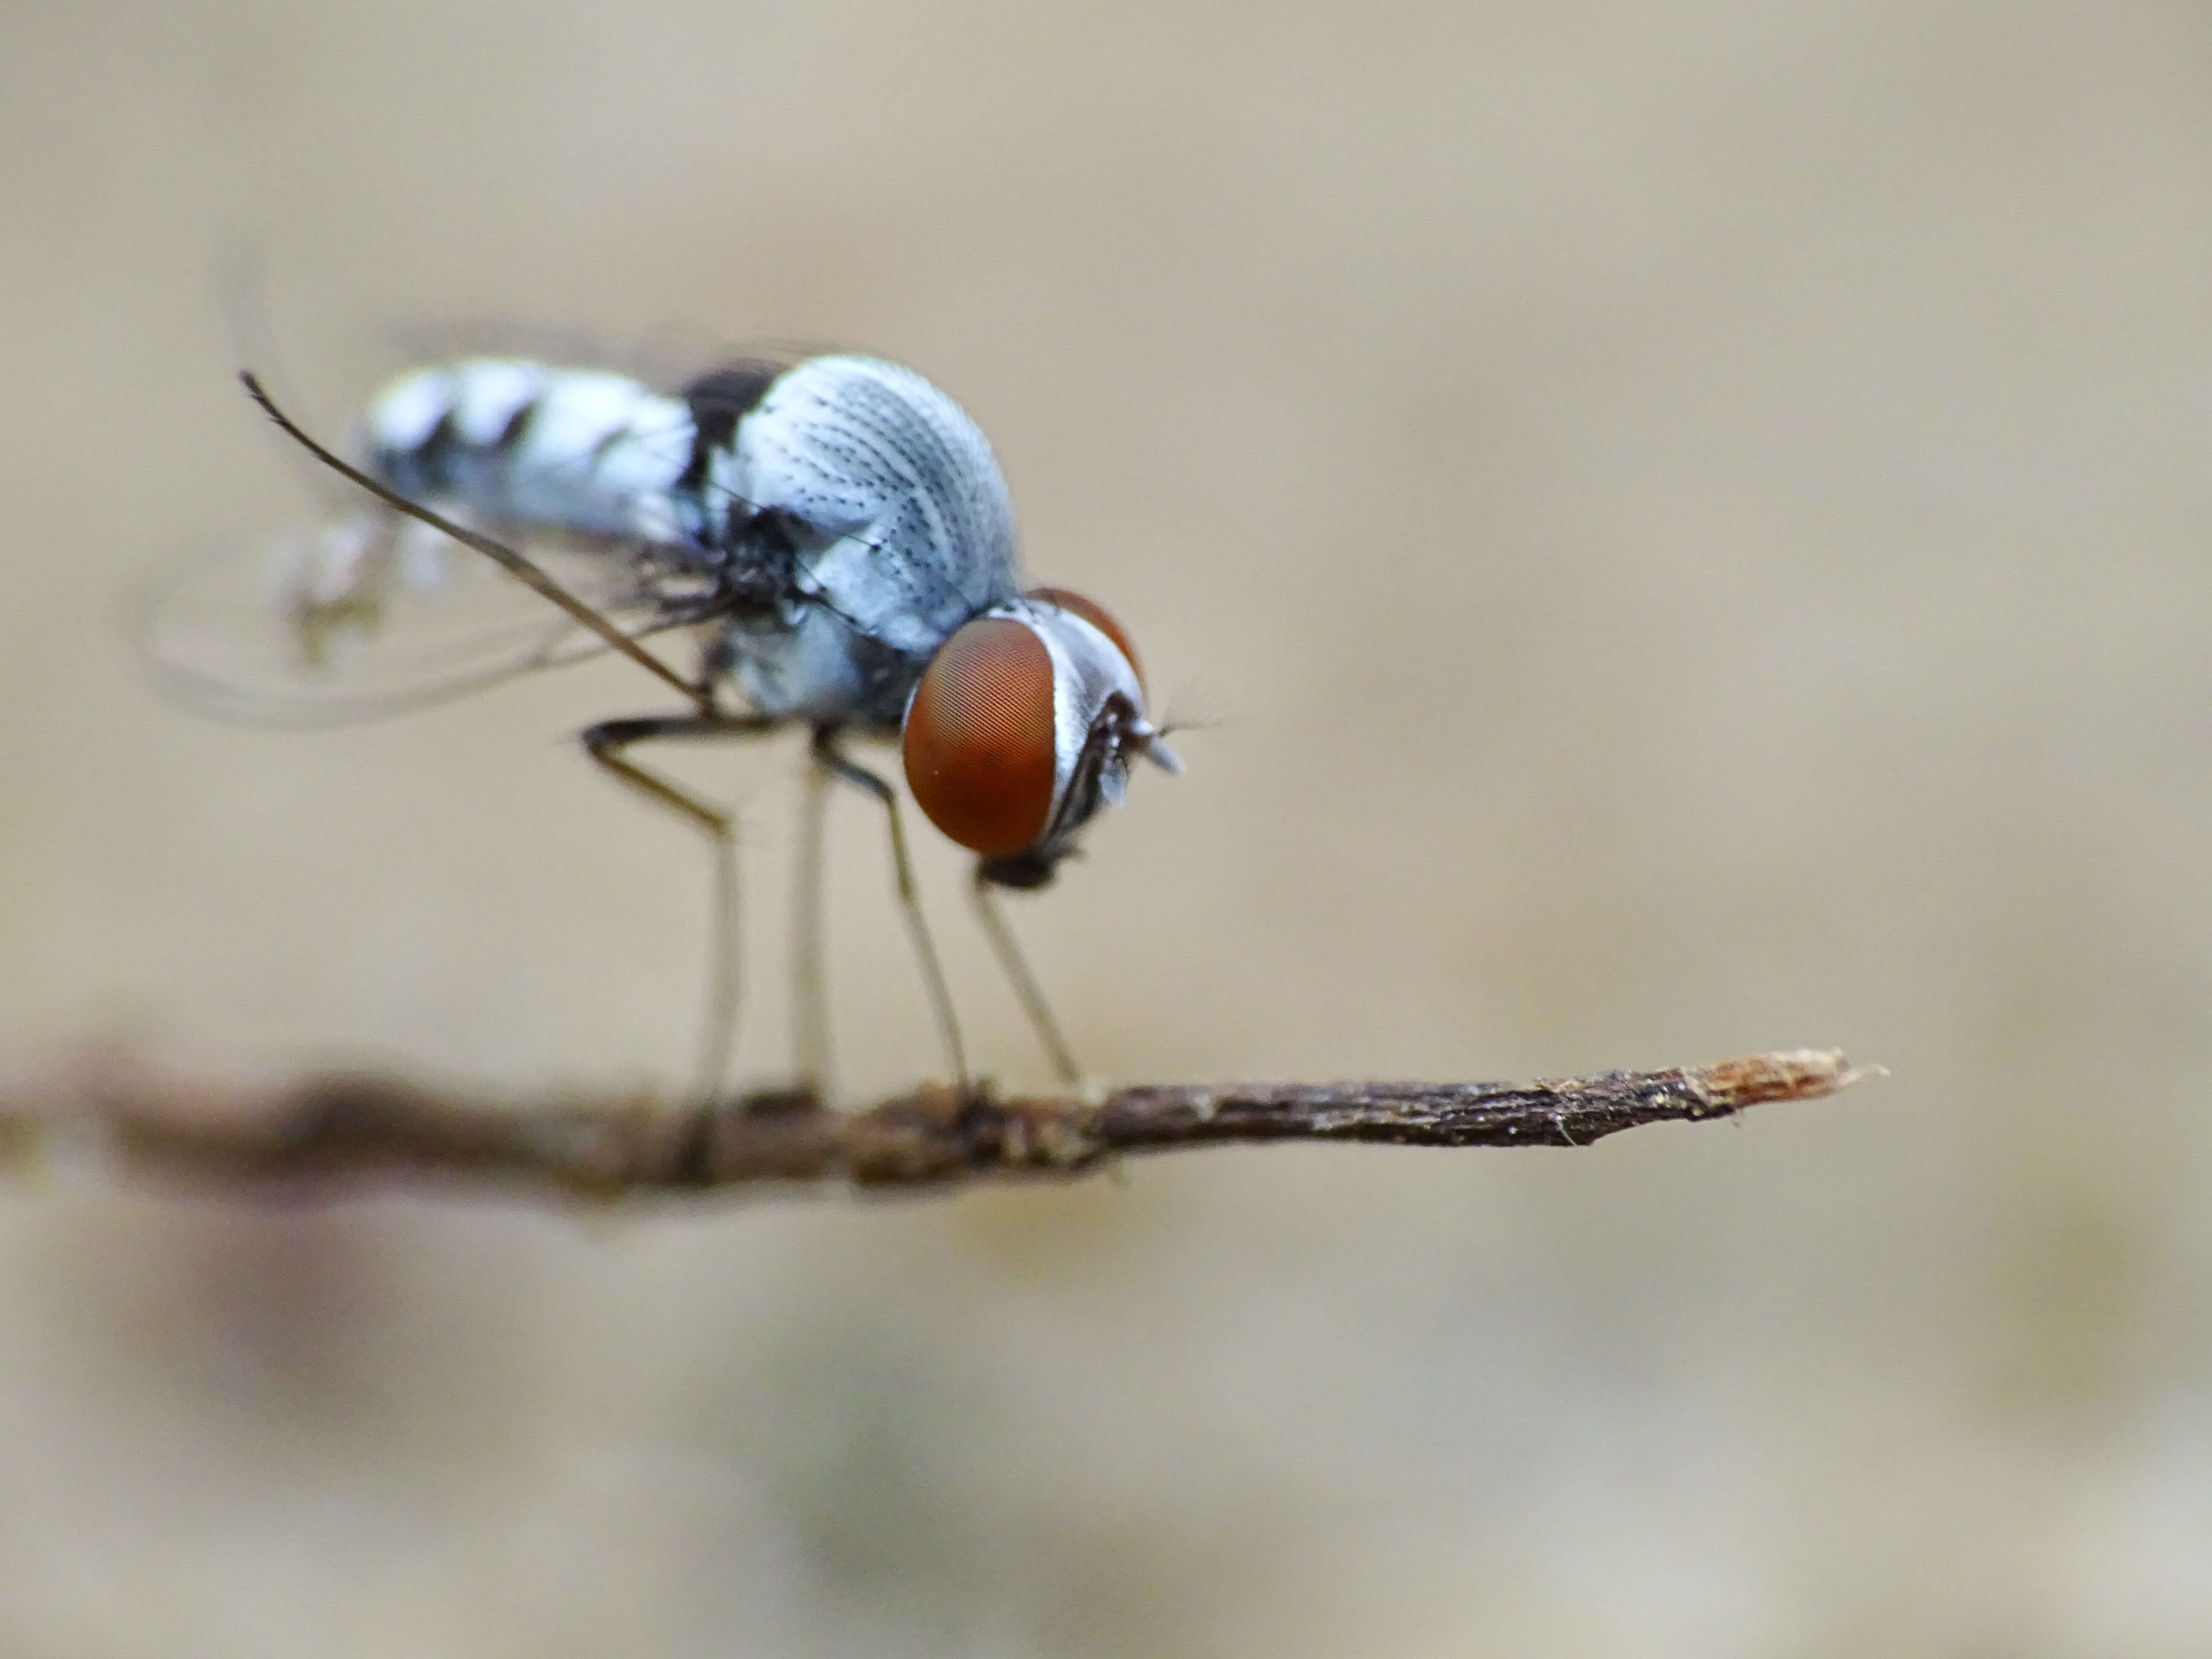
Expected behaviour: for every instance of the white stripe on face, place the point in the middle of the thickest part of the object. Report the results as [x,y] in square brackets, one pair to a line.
[1087,669]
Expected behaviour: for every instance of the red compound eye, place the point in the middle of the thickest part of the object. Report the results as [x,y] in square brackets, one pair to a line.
[978,749]
[1097,616]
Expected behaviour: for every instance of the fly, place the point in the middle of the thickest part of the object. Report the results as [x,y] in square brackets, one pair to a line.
[831,538]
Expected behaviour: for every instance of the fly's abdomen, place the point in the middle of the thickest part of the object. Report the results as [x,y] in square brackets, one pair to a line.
[577,450]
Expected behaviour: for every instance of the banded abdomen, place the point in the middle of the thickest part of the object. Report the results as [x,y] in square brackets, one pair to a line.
[522,443]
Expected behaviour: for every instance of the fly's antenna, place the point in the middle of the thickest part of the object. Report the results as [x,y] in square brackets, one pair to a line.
[516,565]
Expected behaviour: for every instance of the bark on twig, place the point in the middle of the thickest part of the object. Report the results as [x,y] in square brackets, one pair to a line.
[353,1128]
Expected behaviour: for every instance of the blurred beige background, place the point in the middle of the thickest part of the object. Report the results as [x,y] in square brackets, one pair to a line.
[1688,530]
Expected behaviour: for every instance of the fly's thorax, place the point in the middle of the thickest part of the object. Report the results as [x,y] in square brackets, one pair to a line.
[887,511]
[910,530]
[804,662]
[1023,724]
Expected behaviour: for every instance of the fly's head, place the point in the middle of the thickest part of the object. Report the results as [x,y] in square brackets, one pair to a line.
[1025,723]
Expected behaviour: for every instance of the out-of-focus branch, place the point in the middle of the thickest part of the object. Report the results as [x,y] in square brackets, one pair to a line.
[353,1128]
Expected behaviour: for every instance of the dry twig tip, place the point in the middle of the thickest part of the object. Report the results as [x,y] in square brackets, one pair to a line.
[347,1129]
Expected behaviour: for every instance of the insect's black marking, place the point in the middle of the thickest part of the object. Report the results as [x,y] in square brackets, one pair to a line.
[421,469]
[755,563]
[510,435]
[718,401]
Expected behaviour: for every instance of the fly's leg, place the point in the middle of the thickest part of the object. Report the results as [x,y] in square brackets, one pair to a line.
[832,760]
[606,742]
[810,999]
[1015,967]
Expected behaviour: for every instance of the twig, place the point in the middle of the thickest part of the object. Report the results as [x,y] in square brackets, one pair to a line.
[353,1128]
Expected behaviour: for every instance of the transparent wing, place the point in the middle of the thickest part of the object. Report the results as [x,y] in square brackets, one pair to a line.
[374,614]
